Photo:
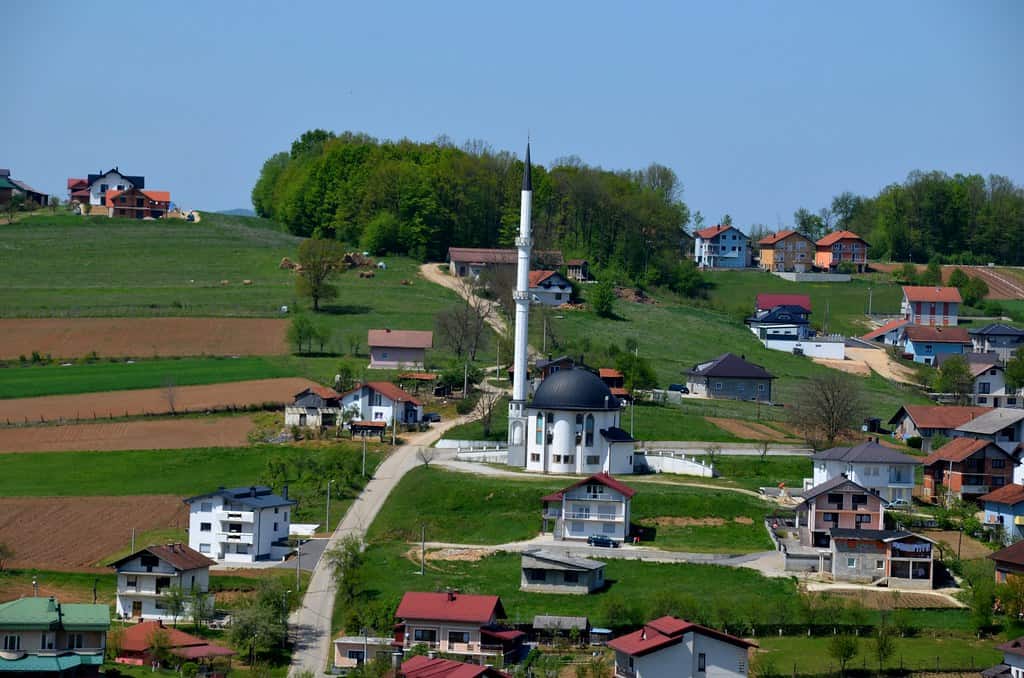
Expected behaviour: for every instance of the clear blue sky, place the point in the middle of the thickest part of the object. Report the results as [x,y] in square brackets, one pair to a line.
[759,107]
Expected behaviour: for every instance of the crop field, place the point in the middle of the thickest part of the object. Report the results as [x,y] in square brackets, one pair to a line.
[1004,283]
[141,337]
[110,404]
[161,434]
[76,532]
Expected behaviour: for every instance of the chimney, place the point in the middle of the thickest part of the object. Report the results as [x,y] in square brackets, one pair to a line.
[451,595]
[252,490]
[284,491]
[643,633]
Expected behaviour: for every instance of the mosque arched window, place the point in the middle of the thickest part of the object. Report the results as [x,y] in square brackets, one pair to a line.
[540,428]
[588,430]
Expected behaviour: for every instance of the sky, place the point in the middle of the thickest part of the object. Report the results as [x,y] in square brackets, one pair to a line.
[759,107]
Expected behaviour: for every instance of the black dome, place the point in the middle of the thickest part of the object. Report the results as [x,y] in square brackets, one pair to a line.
[574,389]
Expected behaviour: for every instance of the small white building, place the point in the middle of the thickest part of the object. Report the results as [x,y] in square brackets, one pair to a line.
[353,651]
[882,471]
[549,288]
[546,571]
[595,506]
[382,401]
[144,577]
[673,648]
[240,524]
[398,349]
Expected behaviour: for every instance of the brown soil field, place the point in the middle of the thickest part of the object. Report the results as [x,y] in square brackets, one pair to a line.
[684,521]
[747,429]
[970,548]
[1002,284]
[164,434]
[150,401]
[884,600]
[74,533]
[116,337]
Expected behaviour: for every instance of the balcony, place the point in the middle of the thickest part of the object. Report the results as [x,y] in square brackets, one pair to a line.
[903,480]
[234,516]
[975,489]
[593,516]
[623,671]
[235,537]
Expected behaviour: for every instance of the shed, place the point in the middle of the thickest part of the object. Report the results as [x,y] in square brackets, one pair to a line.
[544,571]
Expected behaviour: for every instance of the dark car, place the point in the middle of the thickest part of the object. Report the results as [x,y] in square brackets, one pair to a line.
[678,387]
[601,540]
[432,417]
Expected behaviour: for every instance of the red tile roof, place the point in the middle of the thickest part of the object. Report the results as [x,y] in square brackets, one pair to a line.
[833,238]
[604,478]
[400,338]
[109,197]
[937,335]
[157,196]
[940,416]
[1013,554]
[178,556]
[765,301]
[609,373]
[452,607]
[666,631]
[576,262]
[956,450]
[932,294]
[711,231]
[138,638]
[770,240]
[537,277]
[1007,494]
[392,392]
[75,183]
[476,255]
[422,666]
[419,376]
[322,391]
[1014,647]
[887,327]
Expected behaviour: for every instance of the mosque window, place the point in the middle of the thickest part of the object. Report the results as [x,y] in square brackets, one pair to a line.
[540,428]
[589,431]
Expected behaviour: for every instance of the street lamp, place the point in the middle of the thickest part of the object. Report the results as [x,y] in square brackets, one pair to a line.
[327,519]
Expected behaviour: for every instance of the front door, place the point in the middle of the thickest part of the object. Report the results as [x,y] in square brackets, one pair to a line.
[136,609]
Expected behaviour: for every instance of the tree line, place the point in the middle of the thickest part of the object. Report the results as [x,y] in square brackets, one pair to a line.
[404,197]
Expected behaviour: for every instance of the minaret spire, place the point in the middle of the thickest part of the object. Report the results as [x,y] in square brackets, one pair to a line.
[517,415]
[527,179]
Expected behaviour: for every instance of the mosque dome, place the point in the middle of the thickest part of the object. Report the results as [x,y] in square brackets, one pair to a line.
[574,389]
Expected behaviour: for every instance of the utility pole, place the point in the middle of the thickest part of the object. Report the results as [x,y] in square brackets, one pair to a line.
[133,540]
[465,380]
[364,453]
[423,546]
[544,350]
[327,517]
[298,559]
[869,300]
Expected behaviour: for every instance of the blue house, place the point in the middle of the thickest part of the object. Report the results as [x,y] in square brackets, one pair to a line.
[1004,508]
[924,344]
[787,323]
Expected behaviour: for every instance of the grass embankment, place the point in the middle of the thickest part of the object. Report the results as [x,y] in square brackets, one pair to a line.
[752,473]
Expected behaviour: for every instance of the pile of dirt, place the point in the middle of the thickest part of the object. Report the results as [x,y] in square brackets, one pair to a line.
[447,554]
[637,296]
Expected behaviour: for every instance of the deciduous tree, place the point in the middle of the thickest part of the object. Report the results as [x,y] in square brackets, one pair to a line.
[826,406]
[320,260]
[602,299]
[843,649]
[954,377]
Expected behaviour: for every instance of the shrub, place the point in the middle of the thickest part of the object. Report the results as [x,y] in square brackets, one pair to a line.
[189,669]
[465,406]
[914,442]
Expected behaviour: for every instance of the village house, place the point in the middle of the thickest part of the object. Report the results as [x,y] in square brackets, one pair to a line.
[781,323]
[381,401]
[1009,561]
[721,247]
[966,468]
[422,666]
[471,262]
[550,628]
[136,645]
[9,187]
[1000,425]
[988,386]
[6,189]
[616,383]
[888,333]
[457,624]
[315,407]
[901,559]
[43,638]
[578,270]
[926,421]
[137,203]
[398,349]
[598,505]
[931,305]
[839,502]
[144,577]
[668,647]
[549,572]
[731,377]
[97,186]
[841,247]
[353,651]
[573,427]
[997,338]
[240,524]
[885,472]
[545,367]
[926,343]
[549,288]
[78,191]
[787,251]
[1013,661]
[1004,510]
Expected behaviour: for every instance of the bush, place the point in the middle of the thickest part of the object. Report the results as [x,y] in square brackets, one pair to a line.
[847,267]
[465,406]
[603,299]
[189,669]
[914,442]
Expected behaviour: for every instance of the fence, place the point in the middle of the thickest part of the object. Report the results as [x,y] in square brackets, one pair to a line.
[672,461]
[865,664]
[110,415]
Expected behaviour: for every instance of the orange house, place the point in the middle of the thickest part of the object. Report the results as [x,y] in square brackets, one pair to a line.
[786,251]
[841,247]
[137,203]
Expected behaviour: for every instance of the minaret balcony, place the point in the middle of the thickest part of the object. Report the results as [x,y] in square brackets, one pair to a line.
[520,295]
[524,242]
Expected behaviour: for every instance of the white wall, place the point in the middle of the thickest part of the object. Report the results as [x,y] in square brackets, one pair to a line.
[113,180]
[563,427]
[833,350]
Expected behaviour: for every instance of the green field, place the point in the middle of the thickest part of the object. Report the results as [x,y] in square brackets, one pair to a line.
[752,473]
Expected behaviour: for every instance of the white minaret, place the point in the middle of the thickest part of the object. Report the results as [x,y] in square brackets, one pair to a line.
[516,409]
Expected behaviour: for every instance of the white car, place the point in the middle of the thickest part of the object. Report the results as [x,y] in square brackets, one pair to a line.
[899,503]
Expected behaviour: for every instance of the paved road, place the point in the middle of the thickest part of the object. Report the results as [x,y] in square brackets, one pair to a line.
[310,625]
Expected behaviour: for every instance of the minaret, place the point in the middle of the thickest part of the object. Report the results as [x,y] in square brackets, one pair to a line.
[516,409]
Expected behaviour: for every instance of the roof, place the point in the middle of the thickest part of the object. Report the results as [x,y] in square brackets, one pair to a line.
[400,338]
[885,329]
[993,421]
[603,478]
[178,556]
[49,665]
[1015,647]
[868,452]
[931,294]
[552,621]
[138,638]
[666,631]
[450,606]
[712,231]
[576,262]
[47,613]
[423,666]
[537,277]
[770,240]
[6,183]
[999,330]
[392,392]
[833,238]
[574,389]
[939,416]
[157,196]
[959,449]
[254,496]
[135,181]
[978,369]
[872,535]
[1012,554]
[323,391]
[419,376]
[25,187]
[566,561]
[1011,495]
[609,373]
[614,434]
[478,255]
[934,334]
[728,365]
[74,182]
[828,486]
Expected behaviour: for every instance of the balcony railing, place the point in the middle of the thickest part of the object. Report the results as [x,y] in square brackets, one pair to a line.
[234,516]
[236,537]
[624,672]
[592,516]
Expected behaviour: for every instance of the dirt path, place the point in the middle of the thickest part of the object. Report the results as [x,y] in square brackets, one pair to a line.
[163,434]
[881,362]
[747,429]
[495,317]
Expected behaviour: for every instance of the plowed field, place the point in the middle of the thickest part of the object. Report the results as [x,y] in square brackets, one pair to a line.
[748,430]
[74,533]
[164,434]
[1002,284]
[116,337]
[150,400]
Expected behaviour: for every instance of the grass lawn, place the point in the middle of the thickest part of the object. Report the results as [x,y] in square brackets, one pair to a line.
[753,472]
[672,422]
[474,430]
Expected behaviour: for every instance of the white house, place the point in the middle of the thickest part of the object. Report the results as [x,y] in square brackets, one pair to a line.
[353,651]
[1004,508]
[999,424]
[997,338]
[1013,661]
[240,524]
[112,180]
[882,471]
[549,288]
[144,577]
[398,349]
[573,427]
[315,407]
[598,505]
[989,387]
[931,305]
[668,647]
[721,247]
[382,401]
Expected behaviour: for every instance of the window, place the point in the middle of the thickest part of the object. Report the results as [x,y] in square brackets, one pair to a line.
[571,577]
[593,459]
[131,582]
[535,456]
[76,641]
[595,488]
[242,548]
[588,430]
[159,604]
[424,635]
[830,517]
[835,498]
[982,400]
[984,387]
[276,509]
[204,548]
[558,296]
[851,563]
[302,419]
[357,655]
[998,481]
[120,187]
[760,388]
[568,459]
[863,518]
[879,564]
[998,463]
[859,500]
[46,641]
[608,528]
[540,428]
[376,396]
[162,583]
[149,562]
[204,527]
[104,187]
[206,507]
[458,636]
[12,643]
[138,202]
[536,575]
[139,214]
[275,527]
[702,662]
[718,386]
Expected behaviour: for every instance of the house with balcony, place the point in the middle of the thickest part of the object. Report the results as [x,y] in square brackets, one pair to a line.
[966,468]
[781,323]
[314,407]
[839,502]
[598,505]
[546,571]
[883,471]
[887,333]
[136,648]
[1003,425]
[997,338]
[929,344]
[472,261]
[144,577]
[93,189]
[931,305]
[137,203]
[1009,561]
[550,288]
[988,384]
[1013,661]
[354,651]
[578,269]
[668,647]
[461,625]
[381,402]
[240,524]
[898,558]
[44,638]
[786,251]
[841,247]
[926,421]
[1004,512]
[721,246]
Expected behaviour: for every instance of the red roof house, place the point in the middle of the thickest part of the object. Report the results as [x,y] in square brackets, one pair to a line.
[422,666]
[459,624]
[931,305]
[841,247]
[137,640]
[397,349]
[690,649]
[767,301]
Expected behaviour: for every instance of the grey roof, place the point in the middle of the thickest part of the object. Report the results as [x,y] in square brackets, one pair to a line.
[527,179]
[614,434]
[5,173]
[729,365]
[359,640]
[25,187]
[254,496]
[136,181]
[550,621]
[564,561]
[868,452]
[997,329]
[880,535]
[831,485]
[972,358]
[544,362]
[993,422]
[574,389]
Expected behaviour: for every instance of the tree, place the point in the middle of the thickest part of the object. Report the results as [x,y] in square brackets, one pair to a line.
[159,641]
[425,455]
[954,376]
[603,299]
[486,405]
[907,274]
[170,393]
[17,202]
[258,628]
[958,279]
[932,274]
[636,370]
[884,641]
[809,224]
[300,333]
[827,405]
[462,328]
[200,608]
[974,291]
[842,648]
[115,641]
[345,560]
[319,260]
[1015,371]
[6,554]
[54,203]
[176,600]
[1011,594]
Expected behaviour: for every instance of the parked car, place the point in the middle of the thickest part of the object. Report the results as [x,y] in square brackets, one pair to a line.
[602,540]
[432,417]
[679,388]
[899,503]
